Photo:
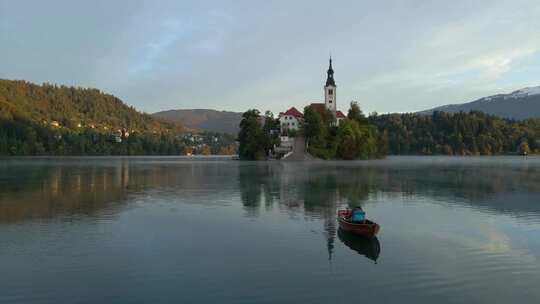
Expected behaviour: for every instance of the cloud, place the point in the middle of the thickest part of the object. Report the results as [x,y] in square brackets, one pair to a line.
[391,55]
[455,59]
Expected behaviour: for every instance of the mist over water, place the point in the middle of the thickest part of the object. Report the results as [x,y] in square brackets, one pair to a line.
[161,230]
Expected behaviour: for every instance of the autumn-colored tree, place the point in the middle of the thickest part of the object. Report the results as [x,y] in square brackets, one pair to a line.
[206,150]
[228,150]
[524,148]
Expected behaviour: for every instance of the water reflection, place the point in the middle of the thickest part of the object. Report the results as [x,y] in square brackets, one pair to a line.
[37,189]
[317,189]
[50,191]
[30,190]
[368,247]
[137,222]
[46,189]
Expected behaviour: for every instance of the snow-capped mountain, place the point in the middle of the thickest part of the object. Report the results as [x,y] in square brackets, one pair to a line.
[520,104]
[525,92]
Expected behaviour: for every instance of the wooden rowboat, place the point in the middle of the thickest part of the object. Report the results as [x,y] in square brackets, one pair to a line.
[366,229]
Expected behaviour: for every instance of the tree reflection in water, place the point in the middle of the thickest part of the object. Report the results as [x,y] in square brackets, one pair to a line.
[314,191]
[317,190]
[47,189]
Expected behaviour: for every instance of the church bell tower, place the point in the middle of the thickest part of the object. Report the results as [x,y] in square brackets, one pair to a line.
[330,90]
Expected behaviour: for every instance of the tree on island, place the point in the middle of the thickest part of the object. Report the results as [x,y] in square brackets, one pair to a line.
[354,138]
[316,131]
[355,113]
[270,130]
[256,140]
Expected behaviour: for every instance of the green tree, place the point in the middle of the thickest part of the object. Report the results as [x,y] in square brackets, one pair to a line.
[347,139]
[356,141]
[316,132]
[270,130]
[356,114]
[251,137]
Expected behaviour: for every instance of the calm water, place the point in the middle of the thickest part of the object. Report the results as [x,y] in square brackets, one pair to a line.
[171,230]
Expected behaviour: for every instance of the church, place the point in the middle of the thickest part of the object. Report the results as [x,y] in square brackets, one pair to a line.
[292,118]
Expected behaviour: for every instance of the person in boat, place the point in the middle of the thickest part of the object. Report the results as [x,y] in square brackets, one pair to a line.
[358,215]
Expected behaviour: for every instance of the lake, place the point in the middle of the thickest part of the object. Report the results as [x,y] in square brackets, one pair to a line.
[181,230]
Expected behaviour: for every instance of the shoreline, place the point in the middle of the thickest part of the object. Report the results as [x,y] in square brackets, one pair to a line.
[235,157]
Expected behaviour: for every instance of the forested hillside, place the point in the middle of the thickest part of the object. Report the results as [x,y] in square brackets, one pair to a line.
[72,107]
[473,133]
[59,120]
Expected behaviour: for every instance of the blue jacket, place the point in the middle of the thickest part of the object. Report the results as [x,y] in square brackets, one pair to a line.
[358,215]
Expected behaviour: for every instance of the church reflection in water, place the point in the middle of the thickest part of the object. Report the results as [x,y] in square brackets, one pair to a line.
[318,190]
[314,192]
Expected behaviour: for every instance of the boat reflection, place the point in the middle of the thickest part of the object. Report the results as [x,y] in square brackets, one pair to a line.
[368,247]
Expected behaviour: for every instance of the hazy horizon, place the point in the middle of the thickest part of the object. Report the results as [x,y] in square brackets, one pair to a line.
[235,55]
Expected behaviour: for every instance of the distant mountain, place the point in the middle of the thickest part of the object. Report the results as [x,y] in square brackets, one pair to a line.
[74,108]
[520,104]
[203,119]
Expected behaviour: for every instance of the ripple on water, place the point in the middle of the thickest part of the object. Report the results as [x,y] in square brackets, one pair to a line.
[177,231]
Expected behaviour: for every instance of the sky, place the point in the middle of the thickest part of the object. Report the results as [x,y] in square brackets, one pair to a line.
[390,56]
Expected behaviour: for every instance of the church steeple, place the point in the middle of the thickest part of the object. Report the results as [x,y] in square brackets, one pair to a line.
[330,78]
[330,90]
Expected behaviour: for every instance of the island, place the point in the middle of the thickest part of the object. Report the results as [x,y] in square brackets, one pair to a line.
[323,132]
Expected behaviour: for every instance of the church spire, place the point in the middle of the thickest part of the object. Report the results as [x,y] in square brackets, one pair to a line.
[330,78]
[330,89]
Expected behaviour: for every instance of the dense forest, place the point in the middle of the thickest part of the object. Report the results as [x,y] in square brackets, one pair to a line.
[59,120]
[73,107]
[353,138]
[473,133]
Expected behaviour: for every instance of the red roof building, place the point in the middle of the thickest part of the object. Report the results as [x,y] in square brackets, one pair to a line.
[290,120]
[294,112]
[319,108]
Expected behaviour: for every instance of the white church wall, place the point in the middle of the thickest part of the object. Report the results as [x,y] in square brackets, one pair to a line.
[289,122]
